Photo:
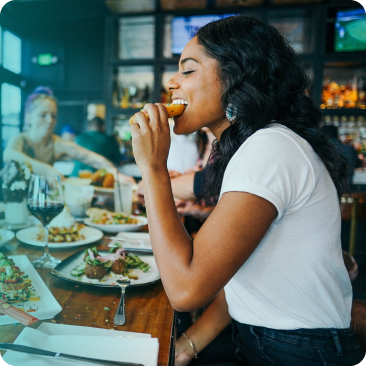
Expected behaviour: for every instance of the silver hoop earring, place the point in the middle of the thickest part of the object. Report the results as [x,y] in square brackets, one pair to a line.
[231,112]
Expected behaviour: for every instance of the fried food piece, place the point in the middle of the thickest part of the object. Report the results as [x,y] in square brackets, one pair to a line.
[96,272]
[108,181]
[118,266]
[173,110]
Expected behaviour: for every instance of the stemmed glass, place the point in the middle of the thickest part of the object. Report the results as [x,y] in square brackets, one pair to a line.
[45,202]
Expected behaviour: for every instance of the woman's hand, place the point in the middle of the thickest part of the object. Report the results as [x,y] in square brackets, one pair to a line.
[151,137]
[183,354]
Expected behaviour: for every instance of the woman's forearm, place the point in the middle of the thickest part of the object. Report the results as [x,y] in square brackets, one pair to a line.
[88,157]
[172,245]
[212,322]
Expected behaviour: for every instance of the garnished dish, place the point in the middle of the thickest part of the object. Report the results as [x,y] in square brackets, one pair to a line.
[63,229]
[23,292]
[101,178]
[117,262]
[15,286]
[105,217]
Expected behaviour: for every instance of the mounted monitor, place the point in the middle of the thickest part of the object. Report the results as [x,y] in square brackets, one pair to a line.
[350,30]
[185,28]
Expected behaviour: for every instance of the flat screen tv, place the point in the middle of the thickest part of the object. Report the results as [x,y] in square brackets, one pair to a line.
[185,28]
[350,31]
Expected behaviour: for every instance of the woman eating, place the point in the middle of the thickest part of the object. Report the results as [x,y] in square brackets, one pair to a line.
[268,258]
[40,147]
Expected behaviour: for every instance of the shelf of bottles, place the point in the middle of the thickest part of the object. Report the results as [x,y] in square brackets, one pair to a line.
[344,89]
[122,132]
[351,129]
[132,87]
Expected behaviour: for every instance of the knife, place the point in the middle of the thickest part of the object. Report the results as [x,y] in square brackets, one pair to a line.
[41,352]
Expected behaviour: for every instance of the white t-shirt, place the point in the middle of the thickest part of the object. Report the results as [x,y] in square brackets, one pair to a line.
[296,277]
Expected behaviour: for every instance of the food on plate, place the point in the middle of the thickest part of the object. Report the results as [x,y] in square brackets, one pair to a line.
[85,174]
[175,109]
[105,217]
[101,178]
[118,262]
[13,288]
[63,229]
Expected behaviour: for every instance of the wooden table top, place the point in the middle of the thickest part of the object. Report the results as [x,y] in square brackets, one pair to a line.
[147,307]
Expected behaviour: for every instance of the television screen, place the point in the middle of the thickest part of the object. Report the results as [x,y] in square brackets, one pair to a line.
[350,31]
[185,28]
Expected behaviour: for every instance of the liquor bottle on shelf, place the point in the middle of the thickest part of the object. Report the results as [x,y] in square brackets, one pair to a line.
[335,121]
[361,91]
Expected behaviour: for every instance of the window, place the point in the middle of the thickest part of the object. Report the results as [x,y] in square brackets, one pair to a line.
[12,52]
[1,47]
[10,112]
[136,38]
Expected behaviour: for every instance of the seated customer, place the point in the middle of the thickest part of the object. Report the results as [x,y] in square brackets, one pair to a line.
[95,139]
[270,252]
[348,151]
[40,147]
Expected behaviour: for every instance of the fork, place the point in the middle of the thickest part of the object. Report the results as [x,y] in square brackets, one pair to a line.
[120,317]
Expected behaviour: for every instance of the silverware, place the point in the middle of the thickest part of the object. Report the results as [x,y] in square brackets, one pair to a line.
[41,352]
[120,317]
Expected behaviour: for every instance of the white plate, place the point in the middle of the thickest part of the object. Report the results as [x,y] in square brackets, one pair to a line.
[84,341]
[47,307]
[137,241]
[116,228]
[85,182]
[5,236]
[144,278]
[29,236]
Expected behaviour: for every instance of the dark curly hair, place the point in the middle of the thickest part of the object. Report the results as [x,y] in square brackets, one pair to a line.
[265,82]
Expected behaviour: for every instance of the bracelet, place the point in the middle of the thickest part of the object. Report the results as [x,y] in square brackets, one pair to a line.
[189,340]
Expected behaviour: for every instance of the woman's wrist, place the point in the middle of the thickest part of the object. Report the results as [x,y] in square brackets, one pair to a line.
[185,346]
[154,169]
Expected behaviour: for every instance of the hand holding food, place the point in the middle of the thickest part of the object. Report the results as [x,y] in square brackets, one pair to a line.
[151,137]
[173,110]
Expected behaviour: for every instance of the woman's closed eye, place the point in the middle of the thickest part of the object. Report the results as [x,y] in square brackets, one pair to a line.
[187,72]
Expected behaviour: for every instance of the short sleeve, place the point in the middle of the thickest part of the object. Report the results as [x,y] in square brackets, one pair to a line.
[273,164]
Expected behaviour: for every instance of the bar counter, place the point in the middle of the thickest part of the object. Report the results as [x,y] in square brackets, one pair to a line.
[147,307]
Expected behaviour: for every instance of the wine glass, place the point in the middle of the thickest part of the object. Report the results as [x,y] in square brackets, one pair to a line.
[45,202]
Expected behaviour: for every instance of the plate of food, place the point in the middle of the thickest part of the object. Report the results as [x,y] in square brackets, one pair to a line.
[114,222]
[31,295]
[5,236]
[64,232]
[104,268]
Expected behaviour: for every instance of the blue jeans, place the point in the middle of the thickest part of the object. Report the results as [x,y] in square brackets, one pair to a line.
[257,346]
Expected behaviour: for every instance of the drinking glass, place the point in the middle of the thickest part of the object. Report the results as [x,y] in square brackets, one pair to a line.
[45,202]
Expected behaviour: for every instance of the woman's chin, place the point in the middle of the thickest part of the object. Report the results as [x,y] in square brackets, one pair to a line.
[180,128]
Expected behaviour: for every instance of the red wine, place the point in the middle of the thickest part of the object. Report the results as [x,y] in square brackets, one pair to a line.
[47,213]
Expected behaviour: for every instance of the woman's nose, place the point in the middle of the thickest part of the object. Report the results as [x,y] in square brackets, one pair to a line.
[49,118]
[172,84]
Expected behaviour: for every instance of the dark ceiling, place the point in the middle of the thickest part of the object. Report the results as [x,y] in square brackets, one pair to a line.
[29,11]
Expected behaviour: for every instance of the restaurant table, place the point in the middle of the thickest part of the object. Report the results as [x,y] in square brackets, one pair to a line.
[147,308]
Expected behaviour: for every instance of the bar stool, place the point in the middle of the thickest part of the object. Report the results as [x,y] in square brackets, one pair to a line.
[353,208]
